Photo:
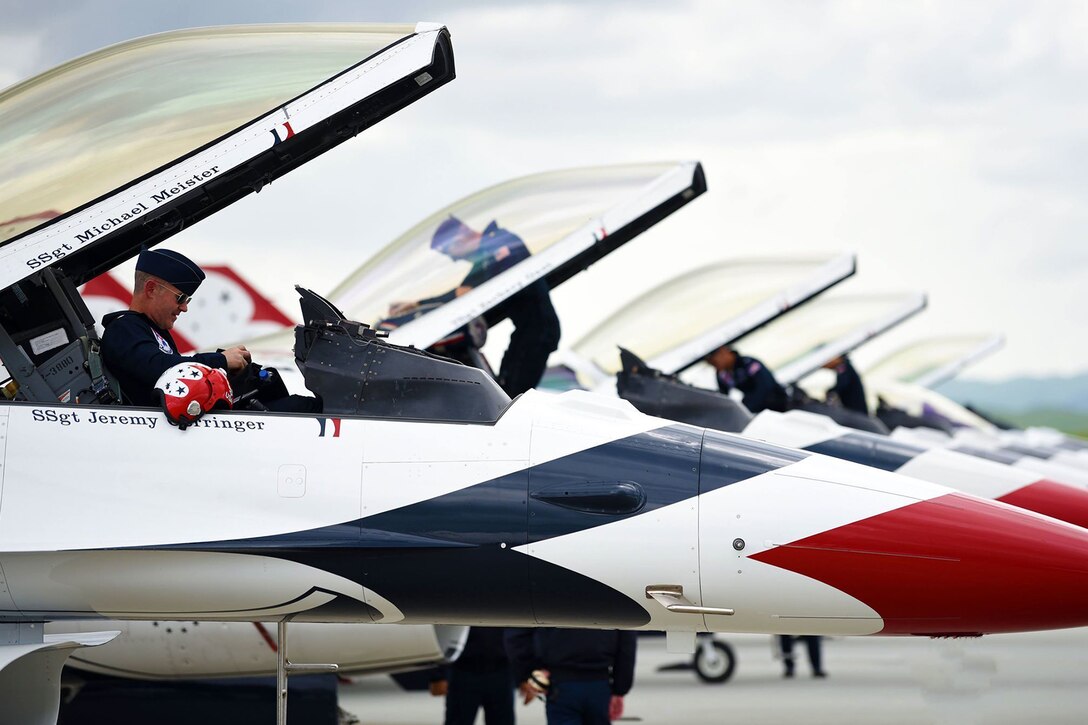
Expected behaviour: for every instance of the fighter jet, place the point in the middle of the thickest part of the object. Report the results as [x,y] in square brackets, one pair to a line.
[720,302]
[984,445]
[795,331]
[798,344]
[552,211]
[567,220]
[821,329]
[991,478]
[930,361]
[182,146]
[1062,461]
[902,380]
[899,381]
[792,343]
[423,494]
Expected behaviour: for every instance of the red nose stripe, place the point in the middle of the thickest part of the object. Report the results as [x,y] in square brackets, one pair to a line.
[1059,500]
[952,565]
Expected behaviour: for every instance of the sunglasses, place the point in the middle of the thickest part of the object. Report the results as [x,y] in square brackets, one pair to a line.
[181,297]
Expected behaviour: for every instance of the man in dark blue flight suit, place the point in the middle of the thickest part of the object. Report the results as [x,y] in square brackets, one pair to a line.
[751,377]
[137,347]
[536,326]
[585,673]
[848,387]
[479,678]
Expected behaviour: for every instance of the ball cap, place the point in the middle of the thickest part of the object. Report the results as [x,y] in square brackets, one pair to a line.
[171,267]
[450,229]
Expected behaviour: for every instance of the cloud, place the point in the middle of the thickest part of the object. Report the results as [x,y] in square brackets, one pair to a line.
[942,142]
[19,55]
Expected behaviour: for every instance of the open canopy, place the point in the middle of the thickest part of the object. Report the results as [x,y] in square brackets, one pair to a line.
[923,402]
[932,361]
[797,344]
[122,148]
[678,322]
[126,146]
[566,219]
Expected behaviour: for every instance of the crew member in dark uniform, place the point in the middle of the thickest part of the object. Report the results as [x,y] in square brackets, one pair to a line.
[137,346]
[848,387]
[812,644]
[479,678]
[536,326]
[751,377]
[584,673]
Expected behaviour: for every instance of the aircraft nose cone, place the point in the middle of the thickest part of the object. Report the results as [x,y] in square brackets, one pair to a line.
[1063,502]
[952,565]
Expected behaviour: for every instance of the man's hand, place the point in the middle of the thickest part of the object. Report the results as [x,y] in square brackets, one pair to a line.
[528,692]
[615,707]
[536,686]
[439,688]
[237,358]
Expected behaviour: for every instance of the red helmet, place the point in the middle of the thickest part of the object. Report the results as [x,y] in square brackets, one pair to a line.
[190,390]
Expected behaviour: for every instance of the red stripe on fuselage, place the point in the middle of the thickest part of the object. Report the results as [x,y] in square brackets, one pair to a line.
[266,636]
[952,565]
[1059,500]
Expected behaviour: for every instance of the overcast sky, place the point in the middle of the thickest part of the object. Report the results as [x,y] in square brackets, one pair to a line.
[945,142]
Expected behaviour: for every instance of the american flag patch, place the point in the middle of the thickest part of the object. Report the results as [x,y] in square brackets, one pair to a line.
[335,427]
[282,132]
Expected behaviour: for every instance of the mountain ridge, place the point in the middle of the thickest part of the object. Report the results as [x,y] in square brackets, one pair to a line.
[1022,394]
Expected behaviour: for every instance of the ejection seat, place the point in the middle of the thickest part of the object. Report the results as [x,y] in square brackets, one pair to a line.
[49,344]
[356,371]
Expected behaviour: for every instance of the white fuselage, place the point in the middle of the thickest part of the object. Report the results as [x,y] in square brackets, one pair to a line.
[261,516]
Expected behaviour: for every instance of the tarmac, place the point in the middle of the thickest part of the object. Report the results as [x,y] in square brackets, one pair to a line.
[1037,678]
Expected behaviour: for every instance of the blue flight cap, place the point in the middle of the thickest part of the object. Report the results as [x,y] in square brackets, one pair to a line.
[726,346]
[171,267]
[447,231]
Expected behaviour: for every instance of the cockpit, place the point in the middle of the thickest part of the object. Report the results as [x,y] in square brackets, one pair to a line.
[678,322]
[50,346]
[797,344]
[356,371]
[118,150]
[566,220]
[562,222]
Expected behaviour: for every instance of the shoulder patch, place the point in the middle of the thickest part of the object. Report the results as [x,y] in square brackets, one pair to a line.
[163,344]
[753,367]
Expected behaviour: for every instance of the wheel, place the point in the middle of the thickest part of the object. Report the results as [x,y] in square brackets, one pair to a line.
[714,661]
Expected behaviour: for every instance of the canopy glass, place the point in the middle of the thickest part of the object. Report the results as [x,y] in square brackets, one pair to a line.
[541,210]
[917,362]
[689,306]
[820,324]
[97,123]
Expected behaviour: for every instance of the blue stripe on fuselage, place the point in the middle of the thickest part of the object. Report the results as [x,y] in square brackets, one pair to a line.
[451,558]
[868,449]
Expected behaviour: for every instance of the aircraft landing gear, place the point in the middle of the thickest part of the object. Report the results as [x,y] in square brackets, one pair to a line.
[714,661]
[284,667]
